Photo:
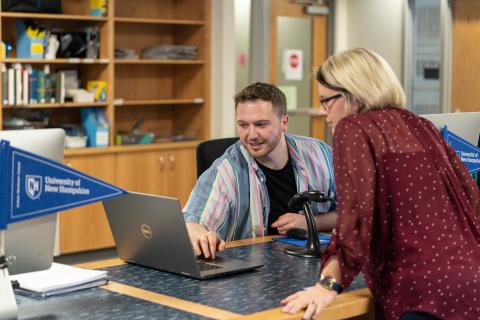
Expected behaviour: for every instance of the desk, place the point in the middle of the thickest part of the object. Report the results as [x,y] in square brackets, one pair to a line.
[135,291]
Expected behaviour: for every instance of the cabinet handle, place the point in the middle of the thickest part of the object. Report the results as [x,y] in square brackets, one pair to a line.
[162,162]
[172,161]
[69,164]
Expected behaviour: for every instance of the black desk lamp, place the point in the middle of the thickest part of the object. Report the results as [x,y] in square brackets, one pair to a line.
[302,201]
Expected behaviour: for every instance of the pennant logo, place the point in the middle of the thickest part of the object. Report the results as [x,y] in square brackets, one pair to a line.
[33,186]
[467,152]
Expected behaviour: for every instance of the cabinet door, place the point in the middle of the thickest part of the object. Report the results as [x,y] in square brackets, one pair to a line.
[87,228]
[142,171]
[180,173]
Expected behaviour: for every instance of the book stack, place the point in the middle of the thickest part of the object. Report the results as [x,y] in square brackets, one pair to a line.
[60,278]
[23,85]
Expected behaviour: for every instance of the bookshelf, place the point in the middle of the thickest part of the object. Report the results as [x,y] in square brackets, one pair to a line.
[172,96]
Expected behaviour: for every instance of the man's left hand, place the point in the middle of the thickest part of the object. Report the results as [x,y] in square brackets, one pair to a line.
[289,221]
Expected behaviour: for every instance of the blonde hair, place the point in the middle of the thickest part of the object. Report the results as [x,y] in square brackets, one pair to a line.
[364,77]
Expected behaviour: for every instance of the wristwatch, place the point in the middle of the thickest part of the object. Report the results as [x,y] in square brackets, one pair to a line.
[330,283]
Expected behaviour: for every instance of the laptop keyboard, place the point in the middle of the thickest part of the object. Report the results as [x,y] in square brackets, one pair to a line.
[204,265]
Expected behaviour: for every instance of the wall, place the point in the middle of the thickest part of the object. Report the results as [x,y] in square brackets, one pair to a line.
[242,44]
[375,24]
[223,69]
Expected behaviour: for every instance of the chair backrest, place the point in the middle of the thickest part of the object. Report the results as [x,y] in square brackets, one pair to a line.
[208,151]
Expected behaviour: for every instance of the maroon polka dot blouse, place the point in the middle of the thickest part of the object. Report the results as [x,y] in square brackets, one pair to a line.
[408,216]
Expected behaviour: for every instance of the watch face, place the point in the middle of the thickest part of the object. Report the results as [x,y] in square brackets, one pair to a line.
[330,284]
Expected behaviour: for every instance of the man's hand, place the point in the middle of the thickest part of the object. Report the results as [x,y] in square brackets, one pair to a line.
[289,221]
[203,241]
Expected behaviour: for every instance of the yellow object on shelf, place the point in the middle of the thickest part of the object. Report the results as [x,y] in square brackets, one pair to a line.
[3,51]
[98,8]
[99,88]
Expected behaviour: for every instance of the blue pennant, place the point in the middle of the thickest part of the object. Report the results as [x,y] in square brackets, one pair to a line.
[468,153]
[33,186]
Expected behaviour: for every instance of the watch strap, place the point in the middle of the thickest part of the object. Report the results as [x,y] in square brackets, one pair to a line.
[330,283]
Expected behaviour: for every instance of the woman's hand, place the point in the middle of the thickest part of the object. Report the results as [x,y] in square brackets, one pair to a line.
[314,299]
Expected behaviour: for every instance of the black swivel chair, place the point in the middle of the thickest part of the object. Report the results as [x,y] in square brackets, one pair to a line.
[208,151]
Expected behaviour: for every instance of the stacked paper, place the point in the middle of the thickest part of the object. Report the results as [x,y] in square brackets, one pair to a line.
[60,278]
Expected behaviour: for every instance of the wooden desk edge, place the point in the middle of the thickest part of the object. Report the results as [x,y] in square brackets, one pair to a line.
[347,305]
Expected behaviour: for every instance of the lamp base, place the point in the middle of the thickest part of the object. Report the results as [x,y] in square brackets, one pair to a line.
[303,252]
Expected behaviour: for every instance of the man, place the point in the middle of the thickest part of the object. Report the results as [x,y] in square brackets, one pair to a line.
[245,192]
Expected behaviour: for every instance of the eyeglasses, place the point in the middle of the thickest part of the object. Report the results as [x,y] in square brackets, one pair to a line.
[324,101]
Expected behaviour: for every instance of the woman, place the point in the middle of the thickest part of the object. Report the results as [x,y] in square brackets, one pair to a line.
[408,210]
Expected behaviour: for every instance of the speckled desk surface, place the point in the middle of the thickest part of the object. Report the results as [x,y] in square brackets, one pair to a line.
[240,294]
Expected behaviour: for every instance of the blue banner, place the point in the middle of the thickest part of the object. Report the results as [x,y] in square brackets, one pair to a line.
[468,153]
[33,186]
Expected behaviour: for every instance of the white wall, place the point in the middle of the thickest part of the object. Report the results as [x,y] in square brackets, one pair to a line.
[374,24]
[223,69]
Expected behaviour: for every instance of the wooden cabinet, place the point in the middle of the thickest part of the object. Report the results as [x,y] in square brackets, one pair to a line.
[86,228]
[181,173]
[169,172]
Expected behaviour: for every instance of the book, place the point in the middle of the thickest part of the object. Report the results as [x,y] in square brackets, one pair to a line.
[33,86]
[60,87]
[60,278]
[11,86]
[18,84]
[41,90]
[25,87]
[4,85]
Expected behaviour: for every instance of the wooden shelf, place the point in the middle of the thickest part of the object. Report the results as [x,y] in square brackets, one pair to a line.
[48,16]
[159,61]
[170,95]
[133,148]
[158,102]
[59,105]
[56,61]
[159,21]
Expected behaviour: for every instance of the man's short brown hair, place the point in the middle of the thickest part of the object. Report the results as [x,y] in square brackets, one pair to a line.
[266,92]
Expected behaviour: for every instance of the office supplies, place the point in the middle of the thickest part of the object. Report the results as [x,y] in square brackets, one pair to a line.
[30,39]
[149,230]
[98,8]
[59,278]
[95,123]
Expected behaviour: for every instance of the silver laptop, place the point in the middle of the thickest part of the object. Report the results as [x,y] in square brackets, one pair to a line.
[149,230]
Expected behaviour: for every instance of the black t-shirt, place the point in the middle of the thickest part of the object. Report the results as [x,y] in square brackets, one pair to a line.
[281,187]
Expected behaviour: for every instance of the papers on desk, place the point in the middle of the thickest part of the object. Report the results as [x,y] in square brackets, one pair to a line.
[324,239]
[60,278]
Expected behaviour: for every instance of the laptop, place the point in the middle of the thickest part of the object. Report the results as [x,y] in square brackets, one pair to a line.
[150,230]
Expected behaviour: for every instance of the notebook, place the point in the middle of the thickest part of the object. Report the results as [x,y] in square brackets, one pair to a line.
[150,230]
[60,278]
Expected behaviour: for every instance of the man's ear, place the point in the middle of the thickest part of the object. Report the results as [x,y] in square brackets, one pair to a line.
[284,123]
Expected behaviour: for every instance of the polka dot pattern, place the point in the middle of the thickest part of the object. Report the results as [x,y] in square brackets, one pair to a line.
[408,216]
